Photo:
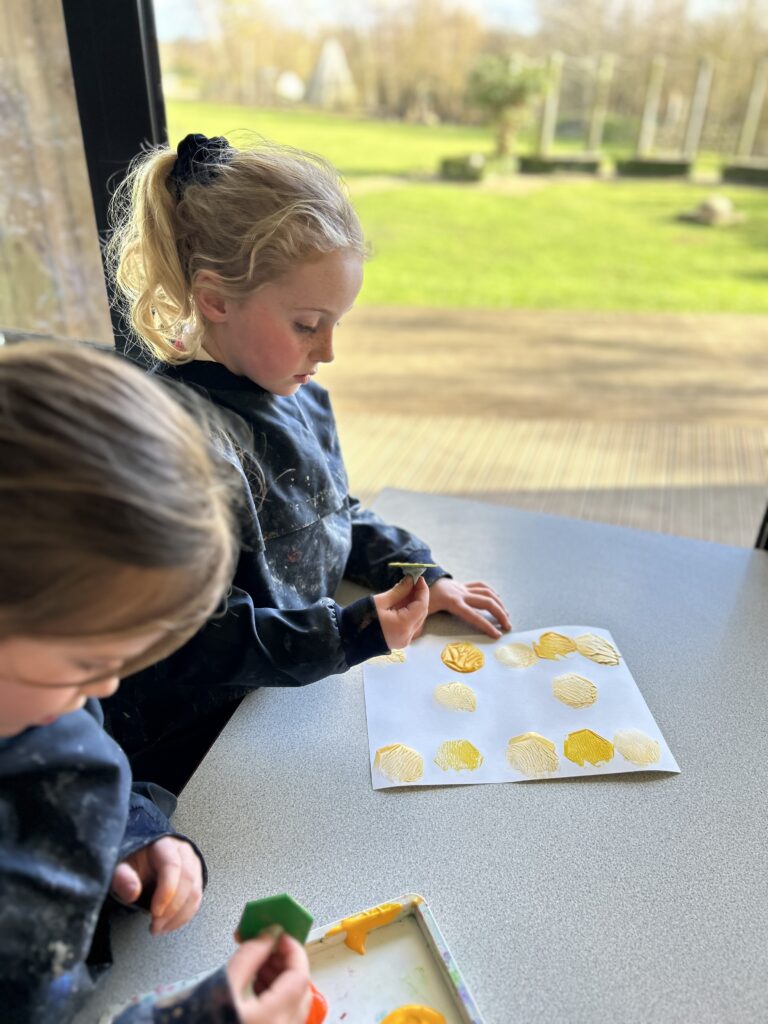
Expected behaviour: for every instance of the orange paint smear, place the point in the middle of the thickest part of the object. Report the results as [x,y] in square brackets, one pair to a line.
[318,1011]
[358,926]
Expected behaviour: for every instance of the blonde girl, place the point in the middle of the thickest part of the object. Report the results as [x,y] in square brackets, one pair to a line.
[116,544]
[235,268]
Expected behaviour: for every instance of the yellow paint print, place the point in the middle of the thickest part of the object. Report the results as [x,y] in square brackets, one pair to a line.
[637,747]
[586,745]
[553,646]
[463,657]
[458,754]
[358,926]
[456,697]
[533,755]
[597,649]
[516,655]
[399,763]
[395,656]
[575,691]
[414,1015]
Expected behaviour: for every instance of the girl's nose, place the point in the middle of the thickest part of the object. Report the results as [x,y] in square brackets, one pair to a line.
[105,688]
[324,351]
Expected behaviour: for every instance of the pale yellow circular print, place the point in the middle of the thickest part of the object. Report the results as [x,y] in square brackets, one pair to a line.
[395,656]
[533,755]
[597,649]
[516,655]
[399,763]
[637,747]
[456,696]
[463,657]
[573,690]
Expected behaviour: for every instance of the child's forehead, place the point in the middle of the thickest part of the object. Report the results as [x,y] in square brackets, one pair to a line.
[322,284]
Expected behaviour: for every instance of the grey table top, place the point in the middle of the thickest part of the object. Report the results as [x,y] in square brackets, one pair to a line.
[626,897]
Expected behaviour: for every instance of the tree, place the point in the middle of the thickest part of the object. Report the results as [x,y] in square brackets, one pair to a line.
[503,87]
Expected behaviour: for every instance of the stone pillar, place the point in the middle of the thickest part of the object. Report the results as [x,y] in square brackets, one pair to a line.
[647,134]
[603,78]
[698,109]
[754,110]
[551,102]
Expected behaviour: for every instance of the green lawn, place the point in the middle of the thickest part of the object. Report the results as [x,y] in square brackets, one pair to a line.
[591,245]
[355,146]
[560,243]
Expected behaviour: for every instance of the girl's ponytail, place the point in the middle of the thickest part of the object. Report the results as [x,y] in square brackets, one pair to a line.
[143,254]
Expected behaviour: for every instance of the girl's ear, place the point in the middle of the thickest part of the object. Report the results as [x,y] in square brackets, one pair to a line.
[209,300]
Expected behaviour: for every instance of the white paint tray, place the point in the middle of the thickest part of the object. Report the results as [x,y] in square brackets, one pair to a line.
[406,962]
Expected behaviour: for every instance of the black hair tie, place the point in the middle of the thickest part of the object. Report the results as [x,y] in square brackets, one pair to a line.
[198,159]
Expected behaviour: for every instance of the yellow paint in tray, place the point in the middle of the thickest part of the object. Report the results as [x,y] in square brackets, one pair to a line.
[414,1015]
[359,925]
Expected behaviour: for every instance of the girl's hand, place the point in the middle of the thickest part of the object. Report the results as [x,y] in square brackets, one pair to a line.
[171,870]
[402,611]
[270,982]
[468,601]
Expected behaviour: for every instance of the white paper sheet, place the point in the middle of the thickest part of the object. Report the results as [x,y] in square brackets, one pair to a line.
[401,709]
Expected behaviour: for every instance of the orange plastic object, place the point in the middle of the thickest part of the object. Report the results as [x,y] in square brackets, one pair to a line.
[318,1011]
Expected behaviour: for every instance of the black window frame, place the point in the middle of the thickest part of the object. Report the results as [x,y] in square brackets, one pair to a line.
[116,71]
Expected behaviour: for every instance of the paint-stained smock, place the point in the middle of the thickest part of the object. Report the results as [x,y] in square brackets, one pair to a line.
[68,815]
[303,535]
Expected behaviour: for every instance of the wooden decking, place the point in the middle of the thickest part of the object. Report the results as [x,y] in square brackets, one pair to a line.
[653,421]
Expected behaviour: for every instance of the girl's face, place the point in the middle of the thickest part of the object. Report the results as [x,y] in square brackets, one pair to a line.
[279,335]
[43,679]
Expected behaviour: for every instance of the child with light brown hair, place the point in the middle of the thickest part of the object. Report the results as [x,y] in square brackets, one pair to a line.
[235,268]
[116,544]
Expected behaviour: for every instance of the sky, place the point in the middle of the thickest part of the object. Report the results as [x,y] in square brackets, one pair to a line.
[175,18]
[191,18]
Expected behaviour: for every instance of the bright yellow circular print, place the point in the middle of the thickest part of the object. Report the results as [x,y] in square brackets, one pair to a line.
[414,1015]
[585,745]
[553,646]
[460,755]
[463,657]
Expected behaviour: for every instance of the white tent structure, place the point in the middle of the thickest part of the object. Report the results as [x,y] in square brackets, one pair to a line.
[331,85]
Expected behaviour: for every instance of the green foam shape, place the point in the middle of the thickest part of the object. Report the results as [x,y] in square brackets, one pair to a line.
[282,910]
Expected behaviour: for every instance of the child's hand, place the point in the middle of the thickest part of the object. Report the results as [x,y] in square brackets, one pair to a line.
[171,871]
[468,601]
[402,611]
[270,983]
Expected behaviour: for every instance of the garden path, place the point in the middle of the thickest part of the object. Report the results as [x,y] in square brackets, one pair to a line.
[656,421]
